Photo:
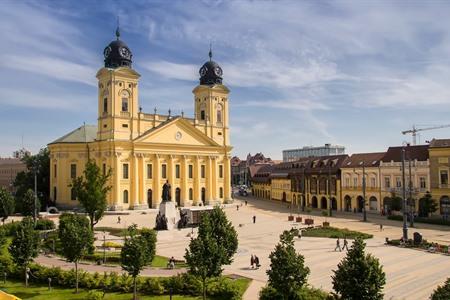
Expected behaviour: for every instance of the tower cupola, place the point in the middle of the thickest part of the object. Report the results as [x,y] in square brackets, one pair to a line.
[117,54]
[210,72]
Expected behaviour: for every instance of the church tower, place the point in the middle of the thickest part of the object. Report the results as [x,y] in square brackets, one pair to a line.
[211,103]
[118,104]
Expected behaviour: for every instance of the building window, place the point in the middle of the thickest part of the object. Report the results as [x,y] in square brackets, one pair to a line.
[177,171]
[202,171]
[73,171]
[347,182]
[104,169]
[73,195]
[164,171]
[387,182]
[54,170]
[444,177]
[105,105]
[191,171]
[149,171]
[398,182]
[125,171]
[220,192]
[423,183]
[202,115]
[191,194]
[124,104]
[219,115]
[220,171]
[373,182]
[355,182]
[125,196]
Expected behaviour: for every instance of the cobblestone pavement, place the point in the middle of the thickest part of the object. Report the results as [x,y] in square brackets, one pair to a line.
[411,274]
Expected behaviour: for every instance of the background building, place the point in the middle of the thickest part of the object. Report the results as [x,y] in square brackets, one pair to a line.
[10,167]
[144,150]
[310,151]
[243,170]
[439,173]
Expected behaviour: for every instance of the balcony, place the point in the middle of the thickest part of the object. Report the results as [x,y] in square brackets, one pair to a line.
[125,114]
[444,186]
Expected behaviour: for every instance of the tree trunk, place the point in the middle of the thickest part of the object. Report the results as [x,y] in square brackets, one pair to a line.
[204,288]
[134,288]
[26,276]
[92,222]
[76,277]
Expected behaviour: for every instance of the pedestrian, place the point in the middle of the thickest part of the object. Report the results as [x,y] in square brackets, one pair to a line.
[237,207]
[338,245]
[345,244]
[257,262]
[381,227]
[245,202]
[252,261]
[118,220]
[254,219]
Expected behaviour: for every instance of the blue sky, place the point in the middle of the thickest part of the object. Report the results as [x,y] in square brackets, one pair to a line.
[355,73]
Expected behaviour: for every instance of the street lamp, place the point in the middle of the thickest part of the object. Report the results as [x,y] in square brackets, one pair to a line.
[35,208]
[405,227]
[364,193]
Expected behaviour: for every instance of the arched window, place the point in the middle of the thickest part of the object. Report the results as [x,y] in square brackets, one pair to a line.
[191,194]
[105,105]
[202,115]
[125,104]
[219,113]
[125,196]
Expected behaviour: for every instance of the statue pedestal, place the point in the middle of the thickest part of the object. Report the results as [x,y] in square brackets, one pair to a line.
[168,209]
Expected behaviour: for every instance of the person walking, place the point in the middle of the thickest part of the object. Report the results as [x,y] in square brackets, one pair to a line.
[245,202]
[254,219]
[257,262]
[237,207]
[118,220]
[252,261]
[345,244]
[381,227]
[338,245]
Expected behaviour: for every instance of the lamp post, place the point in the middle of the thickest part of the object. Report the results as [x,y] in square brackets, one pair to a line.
[364,193]
[35,212]
[405,226]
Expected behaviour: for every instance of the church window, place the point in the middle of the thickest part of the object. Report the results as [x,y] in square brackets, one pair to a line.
[202,171]
[125,171]
[202,115]
[164,171]
[219,113]
[191,194]
[124,104]
[104,125]
[73,195]
[73,171]
[177,171]
[105,105]
[125,125]
[191,171]
[125,196]
[104,169]
[221,193]
[129,85]
[54,170]
[149,171]
[220,171]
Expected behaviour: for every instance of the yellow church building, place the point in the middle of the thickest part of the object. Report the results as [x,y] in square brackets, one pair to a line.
[144,150]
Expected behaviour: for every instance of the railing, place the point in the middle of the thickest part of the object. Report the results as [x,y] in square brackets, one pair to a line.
[444,186]
[125,114]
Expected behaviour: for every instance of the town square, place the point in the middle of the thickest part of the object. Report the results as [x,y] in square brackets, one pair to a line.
[225,150]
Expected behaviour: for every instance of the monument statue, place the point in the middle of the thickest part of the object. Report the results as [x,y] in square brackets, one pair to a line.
[166,192]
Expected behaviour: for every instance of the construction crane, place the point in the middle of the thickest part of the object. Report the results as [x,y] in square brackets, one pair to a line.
[414,131]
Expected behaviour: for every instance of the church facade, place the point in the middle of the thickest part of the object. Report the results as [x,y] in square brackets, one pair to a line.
[145,150]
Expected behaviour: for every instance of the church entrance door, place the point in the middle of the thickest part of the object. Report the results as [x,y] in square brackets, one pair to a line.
[149,198]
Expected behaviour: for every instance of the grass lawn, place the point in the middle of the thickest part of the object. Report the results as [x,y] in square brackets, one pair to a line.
[333,232]
[113,258]
[42,293]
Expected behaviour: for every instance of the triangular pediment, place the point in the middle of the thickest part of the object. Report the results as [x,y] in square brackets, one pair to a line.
[177,131]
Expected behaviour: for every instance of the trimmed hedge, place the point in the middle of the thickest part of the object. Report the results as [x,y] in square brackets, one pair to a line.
[433,221]
[41,224]
[334,233]
[306,292]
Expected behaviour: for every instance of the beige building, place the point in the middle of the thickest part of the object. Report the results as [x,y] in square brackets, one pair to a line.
[416,160]
[352,172]
[439,173]
[9,168]
[144,150]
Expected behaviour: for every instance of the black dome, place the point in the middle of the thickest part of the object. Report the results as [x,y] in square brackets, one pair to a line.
[210,72]
[117,54]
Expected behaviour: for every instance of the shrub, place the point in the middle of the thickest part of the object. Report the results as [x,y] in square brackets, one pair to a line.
[95,295]
[269,293]
[111,244]
[152,286]
[45,224]
[442,292]
[223,288]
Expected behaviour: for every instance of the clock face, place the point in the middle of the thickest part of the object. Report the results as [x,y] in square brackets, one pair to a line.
[178,136]
[124,52]
[203,71]
[107,51]
[218,71]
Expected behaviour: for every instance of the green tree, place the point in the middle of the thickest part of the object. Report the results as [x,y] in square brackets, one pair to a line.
[137,252]
[25,245]
[77,239]
[287,273]
[359,276]
[25,179]
[6,204]
[91,190]
[427,205]
[214,246]
[442,292]
[27,204]
[396,202]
